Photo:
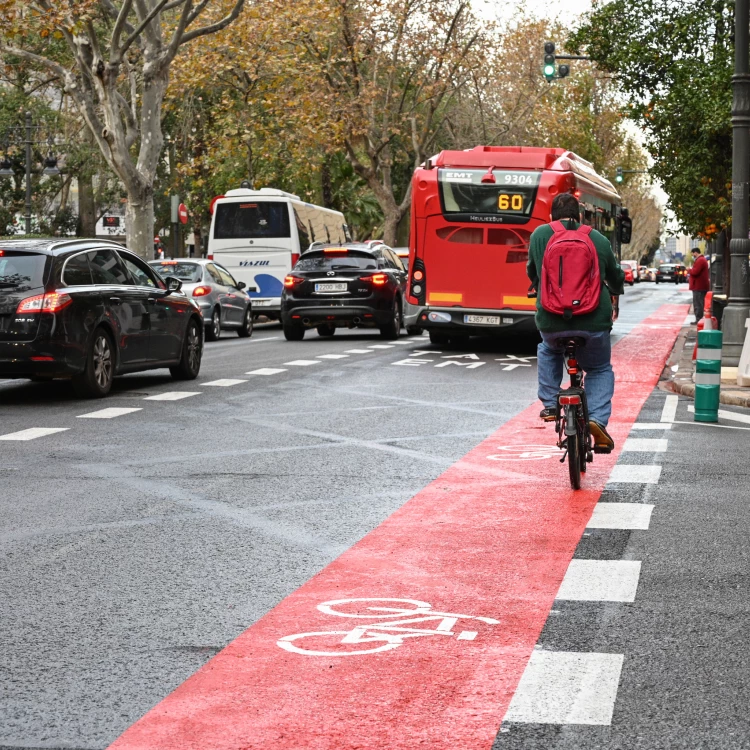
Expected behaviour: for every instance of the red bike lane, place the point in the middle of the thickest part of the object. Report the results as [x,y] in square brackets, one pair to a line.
[492,538]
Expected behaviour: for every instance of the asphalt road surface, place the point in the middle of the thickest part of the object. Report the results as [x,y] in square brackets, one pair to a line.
[143,533]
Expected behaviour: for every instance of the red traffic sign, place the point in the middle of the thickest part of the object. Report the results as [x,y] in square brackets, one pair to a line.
[213,203]
[182,212]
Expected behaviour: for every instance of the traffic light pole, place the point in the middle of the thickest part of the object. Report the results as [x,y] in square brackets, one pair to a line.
[738,306]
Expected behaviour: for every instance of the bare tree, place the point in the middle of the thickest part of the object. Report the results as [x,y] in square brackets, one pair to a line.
[115,67]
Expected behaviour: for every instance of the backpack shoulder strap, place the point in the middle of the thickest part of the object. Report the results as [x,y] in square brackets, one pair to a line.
[557,226]
[584,229]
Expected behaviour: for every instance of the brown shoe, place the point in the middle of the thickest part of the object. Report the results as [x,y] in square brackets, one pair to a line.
[549,414]
[603,442]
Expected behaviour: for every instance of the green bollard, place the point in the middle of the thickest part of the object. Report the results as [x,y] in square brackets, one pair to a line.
[708,376]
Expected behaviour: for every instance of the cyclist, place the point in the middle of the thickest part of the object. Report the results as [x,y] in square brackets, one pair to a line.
[595,357]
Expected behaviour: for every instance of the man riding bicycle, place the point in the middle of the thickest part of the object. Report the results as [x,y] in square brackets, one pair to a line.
[589,317]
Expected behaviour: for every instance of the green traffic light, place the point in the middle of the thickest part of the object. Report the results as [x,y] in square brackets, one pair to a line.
[618,178]
[549,70]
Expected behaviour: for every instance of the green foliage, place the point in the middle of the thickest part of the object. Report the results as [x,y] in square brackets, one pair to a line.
[673,60]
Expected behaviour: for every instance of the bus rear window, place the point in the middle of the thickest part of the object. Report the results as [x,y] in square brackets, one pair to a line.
[251,220]
[509,198]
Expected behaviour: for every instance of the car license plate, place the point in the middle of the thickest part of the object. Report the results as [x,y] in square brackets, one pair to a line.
[262,302]
[482,320]
[331,287]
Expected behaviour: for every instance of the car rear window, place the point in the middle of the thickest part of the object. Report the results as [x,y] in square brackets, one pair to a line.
[21,271]
[668,269]
[188,272]
[336,261]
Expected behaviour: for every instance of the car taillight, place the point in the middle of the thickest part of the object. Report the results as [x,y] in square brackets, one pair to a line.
[290,281]
[377,279]
[201,291]
[51,302]
[295,258]
[570,400]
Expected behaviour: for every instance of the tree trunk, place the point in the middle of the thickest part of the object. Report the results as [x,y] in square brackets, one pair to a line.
[86,206]
[390,225]
[139,223]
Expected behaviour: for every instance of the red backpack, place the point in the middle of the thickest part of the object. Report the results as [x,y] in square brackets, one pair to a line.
[571,282]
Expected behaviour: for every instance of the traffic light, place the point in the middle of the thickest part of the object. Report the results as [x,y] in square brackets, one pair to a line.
[618,174]
[563,71]
[549,61]
[626,226]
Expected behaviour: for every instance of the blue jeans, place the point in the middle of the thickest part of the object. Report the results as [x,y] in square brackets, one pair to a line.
[594,359]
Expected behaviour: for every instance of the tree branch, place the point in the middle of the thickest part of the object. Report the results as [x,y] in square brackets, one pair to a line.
[144,24]
[120,23]
[218,26]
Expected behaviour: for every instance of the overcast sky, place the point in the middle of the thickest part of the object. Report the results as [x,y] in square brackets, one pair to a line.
[549,8]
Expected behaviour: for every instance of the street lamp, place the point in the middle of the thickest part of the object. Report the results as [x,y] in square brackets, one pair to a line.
[738,305]
[50,161]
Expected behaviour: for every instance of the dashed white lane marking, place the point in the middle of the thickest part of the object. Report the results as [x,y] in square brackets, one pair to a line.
[645,445]
[266,371]
[731,415]
[109,413]
[620,516]
[359,351]
[302,362]
[381,346]
[652,426]
[32,433]
[669,412]
[564,687]
[172,396]
[333,356]
[403,342]
[635,474]
[600,581]
[224,382]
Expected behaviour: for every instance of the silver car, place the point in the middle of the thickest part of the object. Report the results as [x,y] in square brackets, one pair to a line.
[223,301]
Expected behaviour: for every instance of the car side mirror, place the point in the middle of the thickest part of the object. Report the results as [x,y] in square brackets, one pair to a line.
[173,284]
[241,285]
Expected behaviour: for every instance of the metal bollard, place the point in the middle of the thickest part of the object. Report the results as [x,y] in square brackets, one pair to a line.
[708,376]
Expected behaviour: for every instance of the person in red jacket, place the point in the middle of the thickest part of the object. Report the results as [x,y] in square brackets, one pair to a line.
[699,282]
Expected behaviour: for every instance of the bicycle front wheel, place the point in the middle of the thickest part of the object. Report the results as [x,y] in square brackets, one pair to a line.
[574,450]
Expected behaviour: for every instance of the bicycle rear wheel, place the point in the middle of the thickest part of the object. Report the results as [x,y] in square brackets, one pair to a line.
[574,449]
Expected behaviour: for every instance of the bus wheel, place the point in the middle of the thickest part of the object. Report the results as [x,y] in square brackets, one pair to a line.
[439,338]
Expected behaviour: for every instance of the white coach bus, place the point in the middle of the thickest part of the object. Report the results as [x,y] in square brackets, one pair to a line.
[258,235]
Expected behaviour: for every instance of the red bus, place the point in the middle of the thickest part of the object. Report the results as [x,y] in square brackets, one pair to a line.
[473,213]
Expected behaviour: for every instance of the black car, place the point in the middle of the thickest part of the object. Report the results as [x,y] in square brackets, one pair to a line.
[88,310]
[350,285]
[668,272]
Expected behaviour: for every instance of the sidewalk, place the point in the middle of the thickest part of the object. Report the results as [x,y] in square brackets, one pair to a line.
[681,368]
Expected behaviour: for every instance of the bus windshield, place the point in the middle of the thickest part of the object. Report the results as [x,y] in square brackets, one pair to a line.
[251,220]
[510,197]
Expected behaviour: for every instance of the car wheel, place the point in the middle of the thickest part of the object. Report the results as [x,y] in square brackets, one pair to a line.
[631,283]
[392,329]
[192,353]
[294,332]
[245,331]
[96,379]
[326,329]
[414,330]
[439,338]
[213,329]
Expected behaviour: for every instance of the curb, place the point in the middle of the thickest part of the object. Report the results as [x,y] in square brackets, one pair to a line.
[729,398]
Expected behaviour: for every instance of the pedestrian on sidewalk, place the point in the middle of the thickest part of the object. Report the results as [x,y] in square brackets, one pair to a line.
[699,282]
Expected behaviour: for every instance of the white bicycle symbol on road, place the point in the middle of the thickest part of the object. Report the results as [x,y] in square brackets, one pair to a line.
[397,618]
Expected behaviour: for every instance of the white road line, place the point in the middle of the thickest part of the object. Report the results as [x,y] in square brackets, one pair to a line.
[564,687]
[403,342]
[359,351]
[731,415]
[381,346]
[669,412]
[224,382]
[32,433]
[333,356]
[635,474]
[109,413]
[652,426]
[269,338]
[172,396]
[620,516]
[714,424]
[266,371]
[302,362]
[645,445]
[600,581]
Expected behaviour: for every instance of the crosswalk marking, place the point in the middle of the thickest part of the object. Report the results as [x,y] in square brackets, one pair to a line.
[565,687]
[333,356]
[600,581]
[381,346]
[652,426]
[224,382]
[645,445]
[635,474]
[302,362]
[669,412]
[32,433]
[172,396]
[359,351]
[620,516]
[109,413]
[403,342]
[267,371]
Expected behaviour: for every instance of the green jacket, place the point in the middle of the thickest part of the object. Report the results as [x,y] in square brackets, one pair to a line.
[613,279]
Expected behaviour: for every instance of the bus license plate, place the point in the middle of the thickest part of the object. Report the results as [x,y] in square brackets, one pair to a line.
[482,320]
[262,302]
[331,287]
